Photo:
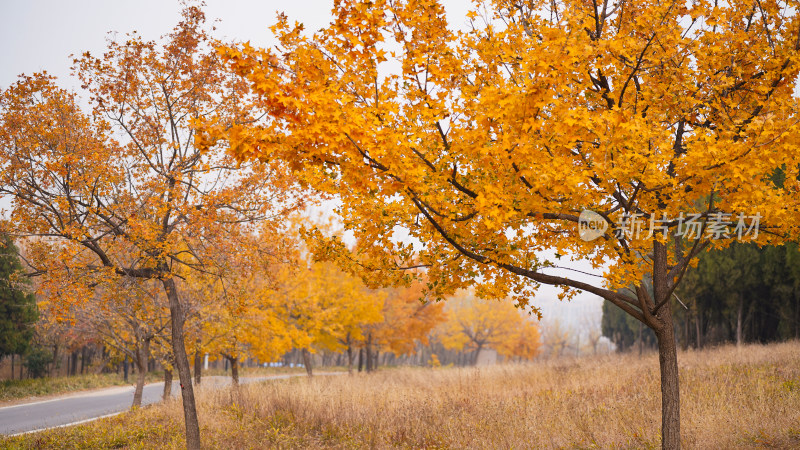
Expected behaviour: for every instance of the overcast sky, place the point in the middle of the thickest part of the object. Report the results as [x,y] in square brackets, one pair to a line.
[38,35]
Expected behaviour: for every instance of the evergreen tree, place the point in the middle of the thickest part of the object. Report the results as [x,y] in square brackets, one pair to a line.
[742,293]
[622,329]
[18,310]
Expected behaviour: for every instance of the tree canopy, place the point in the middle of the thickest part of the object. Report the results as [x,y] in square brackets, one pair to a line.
[122,190]
[488,144]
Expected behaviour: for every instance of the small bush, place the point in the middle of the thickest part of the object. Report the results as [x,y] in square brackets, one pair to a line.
[37,360]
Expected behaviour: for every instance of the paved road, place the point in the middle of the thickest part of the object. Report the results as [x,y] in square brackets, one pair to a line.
[94,404]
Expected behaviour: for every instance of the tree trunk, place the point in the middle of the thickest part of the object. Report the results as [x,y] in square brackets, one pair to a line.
[307,362]
[73,363]
[360,359]
[739,322]
[368,352]
[685,343]
[797,317]
[167,384]
[350,359]
[54,366]
[182,365]
[670,389]
[235,371]
[477,355]
[198,364]
[697,320]
[142,355]
[124,369]
[234,368]
[662,325]
[12,365]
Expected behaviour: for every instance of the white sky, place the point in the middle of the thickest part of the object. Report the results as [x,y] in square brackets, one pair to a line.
[38,35]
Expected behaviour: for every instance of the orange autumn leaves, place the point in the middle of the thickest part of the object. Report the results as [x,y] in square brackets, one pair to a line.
[477,324]
[486,143]
[119,190]
[319,308]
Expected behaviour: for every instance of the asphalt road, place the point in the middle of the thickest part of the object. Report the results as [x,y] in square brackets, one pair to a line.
[69,409]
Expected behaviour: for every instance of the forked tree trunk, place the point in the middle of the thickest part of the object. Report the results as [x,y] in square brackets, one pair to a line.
[167,384]
[142,355]
[182,365]
[307,362]
[234,368]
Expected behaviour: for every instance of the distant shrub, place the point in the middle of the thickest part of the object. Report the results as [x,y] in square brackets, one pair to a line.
[37,360]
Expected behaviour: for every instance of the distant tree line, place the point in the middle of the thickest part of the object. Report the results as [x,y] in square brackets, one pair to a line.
[741,294]
[18,311]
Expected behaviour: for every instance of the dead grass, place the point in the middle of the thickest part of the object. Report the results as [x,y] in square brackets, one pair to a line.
[731,398]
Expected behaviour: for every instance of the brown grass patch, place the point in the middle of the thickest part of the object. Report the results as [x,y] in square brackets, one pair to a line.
[731,398]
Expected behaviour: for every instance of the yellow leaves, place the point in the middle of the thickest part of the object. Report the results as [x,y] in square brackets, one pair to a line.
[141,188]
[322,307]
[407,320]
[488,141]
[473,323]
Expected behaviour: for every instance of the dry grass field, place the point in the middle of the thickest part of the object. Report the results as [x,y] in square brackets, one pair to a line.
[731,398]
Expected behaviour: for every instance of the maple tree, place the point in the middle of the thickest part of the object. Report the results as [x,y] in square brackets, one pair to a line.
[131,317]
[128,315]
[555,337]
[124,190]
[321,308]
[474,324]
[407,315]
[487,144]
[235,321]
[408,319]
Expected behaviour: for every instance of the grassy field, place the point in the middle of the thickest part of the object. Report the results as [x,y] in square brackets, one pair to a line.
[731,398]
